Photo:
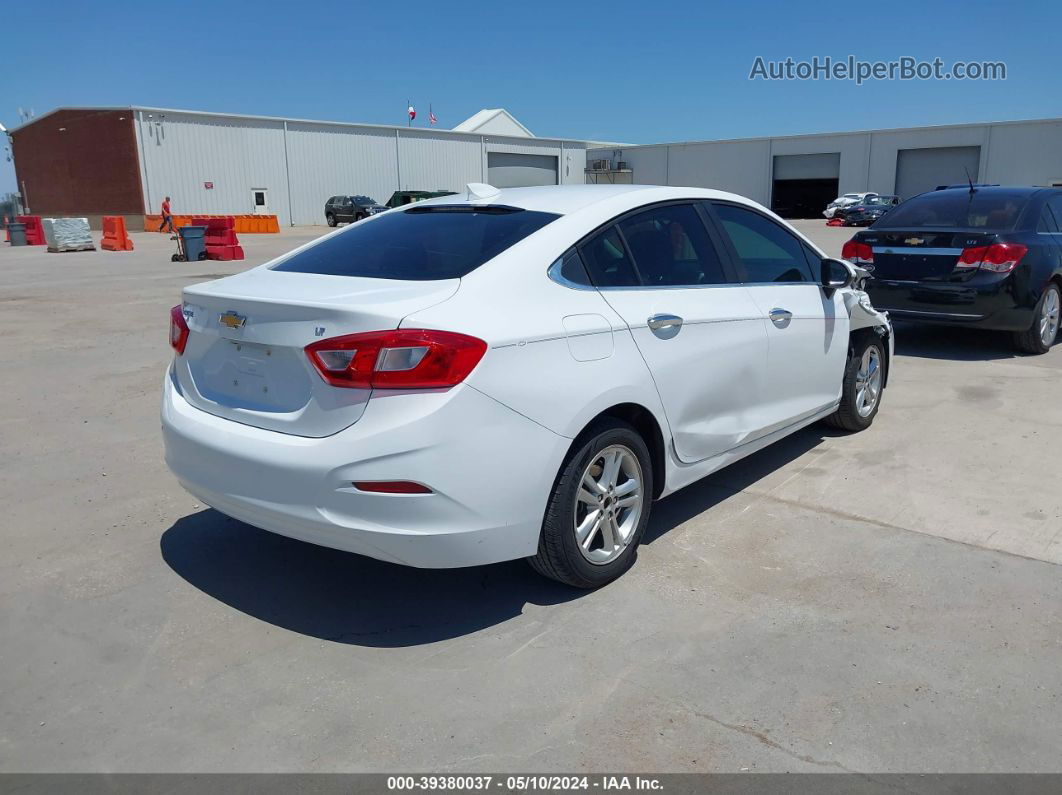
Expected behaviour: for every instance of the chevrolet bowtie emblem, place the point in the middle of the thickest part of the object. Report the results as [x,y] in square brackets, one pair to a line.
[232,320]
[914,241]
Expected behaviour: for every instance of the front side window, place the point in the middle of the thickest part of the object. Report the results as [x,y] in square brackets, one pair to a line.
[606,260]
[671,247]
[419,244]
[766,251]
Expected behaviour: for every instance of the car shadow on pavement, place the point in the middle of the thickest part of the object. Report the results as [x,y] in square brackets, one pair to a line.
[952,342]
[348,598]
[704,494]
[343,597]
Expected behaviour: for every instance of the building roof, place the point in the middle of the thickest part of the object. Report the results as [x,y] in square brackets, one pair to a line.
[497,113]
[484,118]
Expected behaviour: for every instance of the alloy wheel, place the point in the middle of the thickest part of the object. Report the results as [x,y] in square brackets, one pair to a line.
[1049,318]
[868,382]
[608,505]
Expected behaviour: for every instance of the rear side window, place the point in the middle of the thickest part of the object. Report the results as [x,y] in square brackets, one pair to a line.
[958,209]
[420,244]
[1054,207]
[671,247]
[606,260]
[767,252]
[1047,221]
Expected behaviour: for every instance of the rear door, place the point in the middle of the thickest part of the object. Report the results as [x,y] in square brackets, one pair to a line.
[807,331]
[699,332]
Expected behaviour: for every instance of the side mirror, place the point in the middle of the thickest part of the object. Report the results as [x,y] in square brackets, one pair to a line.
[836,274]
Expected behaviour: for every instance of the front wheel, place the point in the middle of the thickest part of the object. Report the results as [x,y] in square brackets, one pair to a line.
[864,378]
[1040,336]
[599,508]
[330,219]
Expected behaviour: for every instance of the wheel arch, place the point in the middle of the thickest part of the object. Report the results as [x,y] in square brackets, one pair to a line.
[861,335]
[645,422]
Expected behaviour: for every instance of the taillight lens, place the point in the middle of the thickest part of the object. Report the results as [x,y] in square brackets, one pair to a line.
[399,359]
[857,252]
[997,258]
[178,329]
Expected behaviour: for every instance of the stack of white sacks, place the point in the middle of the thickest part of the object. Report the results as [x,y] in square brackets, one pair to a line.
[67,234]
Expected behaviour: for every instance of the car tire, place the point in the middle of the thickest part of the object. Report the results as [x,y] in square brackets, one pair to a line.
[1043,330]
[330,219]
[575,547]
[863,383]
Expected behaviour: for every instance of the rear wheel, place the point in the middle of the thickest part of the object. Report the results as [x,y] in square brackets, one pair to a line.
[330,219]
[864,377]
[599,508]
[1040,336]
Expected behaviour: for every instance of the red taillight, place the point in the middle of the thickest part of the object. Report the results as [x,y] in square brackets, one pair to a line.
[998,258]
[178,329]
[400,359]
[859,253]
[391,487]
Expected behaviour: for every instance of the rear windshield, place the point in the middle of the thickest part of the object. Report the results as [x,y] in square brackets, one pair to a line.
[996,210]
[419,244]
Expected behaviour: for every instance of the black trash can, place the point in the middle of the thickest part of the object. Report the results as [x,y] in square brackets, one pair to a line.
[192,238]
[17,232]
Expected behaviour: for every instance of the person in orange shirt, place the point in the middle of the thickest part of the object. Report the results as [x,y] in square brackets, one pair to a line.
[167,218]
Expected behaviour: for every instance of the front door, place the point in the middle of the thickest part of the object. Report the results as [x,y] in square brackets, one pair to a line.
[700,333]
[260,201]
[807,330]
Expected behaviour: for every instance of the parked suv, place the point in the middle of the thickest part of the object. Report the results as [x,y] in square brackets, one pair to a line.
[517,373]
[970,256]
[347,209]
[400,198]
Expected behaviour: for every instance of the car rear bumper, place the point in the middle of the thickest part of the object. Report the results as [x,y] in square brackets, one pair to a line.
[986,302]
[490,469]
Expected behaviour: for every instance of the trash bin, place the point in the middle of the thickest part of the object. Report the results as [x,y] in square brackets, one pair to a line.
[193,241]
[17,232]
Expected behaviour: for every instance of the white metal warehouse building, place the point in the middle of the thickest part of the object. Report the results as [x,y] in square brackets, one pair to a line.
[299,164]
[97,161]
[798,175]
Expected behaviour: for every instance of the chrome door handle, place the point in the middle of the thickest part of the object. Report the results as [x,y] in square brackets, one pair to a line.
[657,322]
[780,316]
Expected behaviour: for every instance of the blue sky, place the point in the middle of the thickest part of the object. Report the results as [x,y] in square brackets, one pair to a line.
[639,72]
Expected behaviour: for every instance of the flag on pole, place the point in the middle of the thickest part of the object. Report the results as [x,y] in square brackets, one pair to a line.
[412,112]
[431,116]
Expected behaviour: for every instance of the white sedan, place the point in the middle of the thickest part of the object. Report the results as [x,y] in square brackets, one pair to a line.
[846,200]
[512,374]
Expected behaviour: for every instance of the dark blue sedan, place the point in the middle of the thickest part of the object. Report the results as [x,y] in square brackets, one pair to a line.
[980,256]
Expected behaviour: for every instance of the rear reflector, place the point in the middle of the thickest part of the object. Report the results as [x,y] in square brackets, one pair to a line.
[399,359]
[998,258]
[178,329]
[391,487]
[857,253]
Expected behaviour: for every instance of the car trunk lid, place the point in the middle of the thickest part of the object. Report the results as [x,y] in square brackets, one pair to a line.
[245,359]
[920,254]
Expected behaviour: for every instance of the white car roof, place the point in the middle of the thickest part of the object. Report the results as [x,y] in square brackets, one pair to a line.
[568,199]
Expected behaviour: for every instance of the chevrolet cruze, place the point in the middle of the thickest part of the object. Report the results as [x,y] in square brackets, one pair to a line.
[516,373]
[987,256]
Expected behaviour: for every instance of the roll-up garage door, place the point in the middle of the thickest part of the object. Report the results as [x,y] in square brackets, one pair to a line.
[511,170]
[919,170]
[804,184]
